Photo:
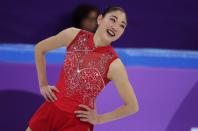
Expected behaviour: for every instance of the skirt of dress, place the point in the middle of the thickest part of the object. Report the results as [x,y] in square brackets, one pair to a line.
[48,117]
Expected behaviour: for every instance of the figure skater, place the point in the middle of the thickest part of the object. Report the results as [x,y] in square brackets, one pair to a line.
[90,63]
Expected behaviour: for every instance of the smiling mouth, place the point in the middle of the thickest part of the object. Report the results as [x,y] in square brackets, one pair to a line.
[110,33]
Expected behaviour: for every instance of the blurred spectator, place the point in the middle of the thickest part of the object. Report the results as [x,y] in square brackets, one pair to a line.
[85,16]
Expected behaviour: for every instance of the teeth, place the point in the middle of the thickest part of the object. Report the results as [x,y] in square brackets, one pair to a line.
[110,32]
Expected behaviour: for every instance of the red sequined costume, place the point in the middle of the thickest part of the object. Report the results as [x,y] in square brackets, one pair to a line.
[84,72]
[82,77]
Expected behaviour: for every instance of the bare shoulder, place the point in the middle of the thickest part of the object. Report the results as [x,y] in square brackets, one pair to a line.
[61,39]
[71,31]
[116,70]
[68,34]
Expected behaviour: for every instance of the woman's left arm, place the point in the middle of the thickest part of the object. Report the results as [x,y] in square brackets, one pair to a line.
[118,74]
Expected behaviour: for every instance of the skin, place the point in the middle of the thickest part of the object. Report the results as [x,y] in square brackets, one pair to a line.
[117,73]
[115,21]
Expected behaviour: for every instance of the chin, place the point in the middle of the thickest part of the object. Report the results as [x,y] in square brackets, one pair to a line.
[108,39]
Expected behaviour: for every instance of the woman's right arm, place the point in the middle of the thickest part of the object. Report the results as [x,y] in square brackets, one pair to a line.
[61,39]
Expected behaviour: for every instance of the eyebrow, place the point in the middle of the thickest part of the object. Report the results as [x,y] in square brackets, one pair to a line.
[117,18]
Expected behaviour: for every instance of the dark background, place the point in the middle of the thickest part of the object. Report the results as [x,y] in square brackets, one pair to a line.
[170,24]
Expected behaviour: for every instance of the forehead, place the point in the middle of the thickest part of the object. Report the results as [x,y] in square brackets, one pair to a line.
[119,14]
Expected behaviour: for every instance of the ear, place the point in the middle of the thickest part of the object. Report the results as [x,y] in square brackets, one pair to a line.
[99,19]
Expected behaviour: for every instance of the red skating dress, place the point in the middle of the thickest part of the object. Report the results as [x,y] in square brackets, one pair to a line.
[82,77]
[84,72]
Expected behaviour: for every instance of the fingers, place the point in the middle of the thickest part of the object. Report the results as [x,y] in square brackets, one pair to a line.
[85,107]
[82,115]
[83,112]
[56,89]
[51,95]
[84,119]
[48,94]
[46,98]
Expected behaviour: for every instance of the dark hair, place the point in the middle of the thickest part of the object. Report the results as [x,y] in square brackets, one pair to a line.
[81,12]
[114,8]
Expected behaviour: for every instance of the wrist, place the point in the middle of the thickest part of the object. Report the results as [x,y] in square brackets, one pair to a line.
[43,83]
[42,86]
[99,119]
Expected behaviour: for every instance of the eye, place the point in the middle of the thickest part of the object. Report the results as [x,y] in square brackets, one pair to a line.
[112,20]
[122,26]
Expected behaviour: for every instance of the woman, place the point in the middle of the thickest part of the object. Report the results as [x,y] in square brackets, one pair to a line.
[90,64]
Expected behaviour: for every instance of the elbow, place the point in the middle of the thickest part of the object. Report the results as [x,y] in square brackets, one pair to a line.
[133,109]
[137,108]
[38,49]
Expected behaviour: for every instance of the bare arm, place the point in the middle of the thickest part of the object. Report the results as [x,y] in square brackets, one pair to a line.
[117,73]
[63,38]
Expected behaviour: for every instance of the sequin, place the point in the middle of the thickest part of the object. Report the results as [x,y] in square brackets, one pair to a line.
[84,70]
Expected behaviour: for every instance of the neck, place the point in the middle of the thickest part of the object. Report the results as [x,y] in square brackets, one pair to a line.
[98,41]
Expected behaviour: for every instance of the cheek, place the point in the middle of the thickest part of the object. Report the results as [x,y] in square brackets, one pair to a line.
[106,24]
[121,32]
[118,35]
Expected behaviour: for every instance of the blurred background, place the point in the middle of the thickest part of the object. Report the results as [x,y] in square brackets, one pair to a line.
[159,49]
